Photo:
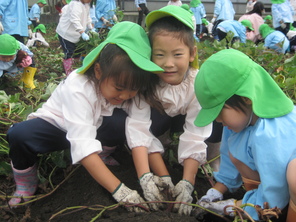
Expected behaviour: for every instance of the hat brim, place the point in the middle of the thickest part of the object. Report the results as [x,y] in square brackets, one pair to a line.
[206,116]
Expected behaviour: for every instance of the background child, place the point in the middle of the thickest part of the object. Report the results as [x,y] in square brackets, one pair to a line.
[173,49]
[141,5]
[199,12]
[72,26]
[258,142]
[273,39]
[35,12]
[282,15]
[37,37]
[105,14]
[111,77]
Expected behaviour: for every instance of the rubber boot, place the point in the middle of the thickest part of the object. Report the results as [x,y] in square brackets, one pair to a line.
[291,215]
[26,184]
[28,77]
[105,156]
[68,63]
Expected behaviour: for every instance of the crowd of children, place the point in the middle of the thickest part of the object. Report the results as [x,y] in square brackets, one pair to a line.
[139,84]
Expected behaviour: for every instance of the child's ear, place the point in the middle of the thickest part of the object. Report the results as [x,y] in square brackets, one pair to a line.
[97,70]
[193,54]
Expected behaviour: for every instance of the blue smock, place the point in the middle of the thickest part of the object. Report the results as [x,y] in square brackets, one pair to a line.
[35,12]
[282,12]
[234,26]
[14,16]
[106,9]
[274,41]
[224,10]
[267,147]
[199,12]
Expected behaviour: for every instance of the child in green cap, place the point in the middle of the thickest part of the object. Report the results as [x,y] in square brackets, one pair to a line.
[116,74]
[173,49]
[35,12]
[37,37]
[258,146]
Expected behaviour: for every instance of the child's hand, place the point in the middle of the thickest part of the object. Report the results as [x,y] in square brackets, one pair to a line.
[182,192]
[26,61]
[212,195]
[219,206]
[150,190]
[1,28]
[125,194]
[84,36]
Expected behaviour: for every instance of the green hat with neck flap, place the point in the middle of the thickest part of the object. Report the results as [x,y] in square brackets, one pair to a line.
[195,3]
[9,45]
[265,30]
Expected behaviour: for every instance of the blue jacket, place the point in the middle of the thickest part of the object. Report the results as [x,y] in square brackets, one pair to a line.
[274,41]
[199,12]
[282,12]
[234,26]
[106,9]
[224,10]
[14,15]
[35,12]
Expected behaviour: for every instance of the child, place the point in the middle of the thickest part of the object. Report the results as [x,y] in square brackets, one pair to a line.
[105,14]
[199,12]
[72,26]
[258,142]
[282,15]
[111,76]
[141,5]
[173,49]
[16,58]
[35,11]
[37,38]
[273,39]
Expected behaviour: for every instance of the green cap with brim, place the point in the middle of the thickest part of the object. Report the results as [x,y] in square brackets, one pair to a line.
[42,1]
[204,21]
[265,30]
[133,39]
[268,17]
[230,72]
[277,1]
[41,27]
[68,1]
[182,13]
[9,45]
[247,23]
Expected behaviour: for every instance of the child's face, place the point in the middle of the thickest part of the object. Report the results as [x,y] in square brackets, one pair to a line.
[172,55]
[113,93]
[4,58]
[236,119]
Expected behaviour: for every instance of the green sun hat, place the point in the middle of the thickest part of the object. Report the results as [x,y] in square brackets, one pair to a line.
[268,17]
[194,3]
[9,45]
[133,39]
[42,1]
[265,30]
[230,72]
[277,1]
[204,21]
[41,27]
[182,13]
[247,23]
[68,1]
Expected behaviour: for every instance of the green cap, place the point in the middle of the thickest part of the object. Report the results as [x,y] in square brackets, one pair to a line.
[277,1]
[230,72]
[204,21]
[42,1]
[182,13]
[265,30]
[133,39]
[195,3]
[41,27]
[247,23]
[68,1]
[268,17]
[9,45]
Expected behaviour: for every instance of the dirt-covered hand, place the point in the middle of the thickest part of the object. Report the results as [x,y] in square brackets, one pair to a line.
[125,194]
[211,196]
[165,182]
[150,190]
[219,206]
[105,21]
[182,192]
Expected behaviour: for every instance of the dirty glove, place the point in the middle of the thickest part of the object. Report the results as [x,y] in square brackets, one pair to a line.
[124,194]
[106,22]
[1,28]
[166,186]
[150,190]
[84,36]
[182,192]
[211,196]
[283,25]
[114,18]
[26,61]
[213,19]
[219,206]
[30,33]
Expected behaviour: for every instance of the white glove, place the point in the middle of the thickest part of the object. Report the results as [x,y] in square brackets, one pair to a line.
[1,28]
[37,20]
[114,18]
[211,196]
[213,20]
[166,186]
[93,30]
[106,22]
[84,36]
[125,194]
[150,190]
[219,206]
[30,33]
[283,25]
[182,192]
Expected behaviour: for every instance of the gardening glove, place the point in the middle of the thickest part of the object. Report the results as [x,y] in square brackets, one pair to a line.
[211,196]
[124,194]
[114,18]
[150,190]
[165,182]
[219,206]
[1,28]
[213,19]
[26,61]
[93,30]
[30,33]
[37,20]
[182,192]
[84,36]
[106,22]
[283,25]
